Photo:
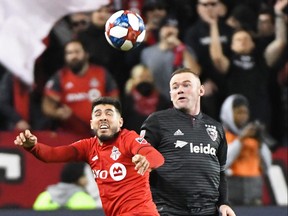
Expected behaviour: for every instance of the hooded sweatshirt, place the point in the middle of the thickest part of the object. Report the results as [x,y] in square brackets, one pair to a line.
[243,158]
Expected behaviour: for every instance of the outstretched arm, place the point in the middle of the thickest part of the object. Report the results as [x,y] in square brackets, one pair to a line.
[44,152]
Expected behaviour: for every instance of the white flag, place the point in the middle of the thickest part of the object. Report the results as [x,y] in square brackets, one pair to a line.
[25,23]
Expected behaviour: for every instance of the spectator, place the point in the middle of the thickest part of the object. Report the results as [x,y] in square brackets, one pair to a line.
[21,105]
[79,22]
[100,51]
[153,12]
[192,181]
[142,98]
[248,156]
[167,55]
[247,71]
[70,92]
[265,35]
[198,38]
[69,193]
[120,160]
[243,17]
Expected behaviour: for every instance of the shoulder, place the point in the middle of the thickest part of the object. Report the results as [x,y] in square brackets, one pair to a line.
[150,49]
[124,133]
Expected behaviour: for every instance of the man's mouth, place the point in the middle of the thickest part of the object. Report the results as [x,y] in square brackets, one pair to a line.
[104,126]
[181,98]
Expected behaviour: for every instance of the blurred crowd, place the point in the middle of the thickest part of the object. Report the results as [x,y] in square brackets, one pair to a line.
[237,47]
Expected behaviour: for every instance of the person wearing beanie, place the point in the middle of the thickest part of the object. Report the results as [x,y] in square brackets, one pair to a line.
[69,193]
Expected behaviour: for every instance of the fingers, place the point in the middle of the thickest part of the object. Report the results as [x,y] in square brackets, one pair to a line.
[25,138]
[20,139]
[142,164]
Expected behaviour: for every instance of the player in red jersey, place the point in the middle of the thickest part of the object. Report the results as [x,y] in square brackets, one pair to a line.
[120,160]
[69,93]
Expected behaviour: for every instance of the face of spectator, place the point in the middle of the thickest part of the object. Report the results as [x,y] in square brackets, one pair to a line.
[154,16]
[185,91]
[106,121]
[142,75]
[168,34]
[100,16]
[265,25]
[242,43]
[79,22]
[75,56]
[208,9]
[241,115]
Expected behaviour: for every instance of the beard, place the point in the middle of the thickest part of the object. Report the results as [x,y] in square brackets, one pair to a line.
[107,137]
[76,66]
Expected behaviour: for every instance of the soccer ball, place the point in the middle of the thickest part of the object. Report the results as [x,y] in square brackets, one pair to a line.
[125,30]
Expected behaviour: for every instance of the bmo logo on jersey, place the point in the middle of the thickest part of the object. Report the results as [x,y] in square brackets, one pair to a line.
[117,172]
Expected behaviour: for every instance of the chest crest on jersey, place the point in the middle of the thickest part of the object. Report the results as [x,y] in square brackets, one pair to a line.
[212,132]
[115,154]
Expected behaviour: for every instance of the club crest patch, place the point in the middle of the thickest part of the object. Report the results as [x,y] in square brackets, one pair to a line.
[115,153]
[212,132]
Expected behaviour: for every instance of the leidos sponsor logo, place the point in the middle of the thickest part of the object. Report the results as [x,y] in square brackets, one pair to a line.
[202,149]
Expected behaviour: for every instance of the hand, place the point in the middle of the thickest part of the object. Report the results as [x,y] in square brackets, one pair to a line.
[64,112]
[210,87]
[142,164]
[26,139]
[279,6]
[226,211]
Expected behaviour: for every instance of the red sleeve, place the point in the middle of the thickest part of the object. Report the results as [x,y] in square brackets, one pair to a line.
[136,144]
[47,153]
[154,157]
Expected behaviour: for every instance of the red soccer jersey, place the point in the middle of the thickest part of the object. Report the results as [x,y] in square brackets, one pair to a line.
[123,191]
[78,92]
[121,188]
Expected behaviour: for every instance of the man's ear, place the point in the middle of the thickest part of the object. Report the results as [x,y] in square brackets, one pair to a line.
[121,122]
[202,90]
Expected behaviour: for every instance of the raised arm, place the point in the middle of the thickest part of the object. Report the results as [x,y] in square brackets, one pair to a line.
[220,61]
[277,46]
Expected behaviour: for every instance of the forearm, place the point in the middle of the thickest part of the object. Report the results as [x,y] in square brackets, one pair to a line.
[50,154]
[277,46]
[190,62]
[218,58]
[154,157]
[233,151]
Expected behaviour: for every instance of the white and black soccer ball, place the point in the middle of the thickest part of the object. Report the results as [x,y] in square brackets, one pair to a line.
[125,30]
